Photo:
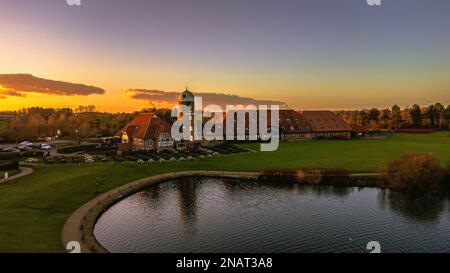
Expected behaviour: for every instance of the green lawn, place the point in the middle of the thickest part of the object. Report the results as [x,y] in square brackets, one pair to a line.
[33,209]
[363,155]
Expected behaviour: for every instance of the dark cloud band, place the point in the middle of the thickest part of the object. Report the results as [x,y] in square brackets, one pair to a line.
[158,98]
[19,85]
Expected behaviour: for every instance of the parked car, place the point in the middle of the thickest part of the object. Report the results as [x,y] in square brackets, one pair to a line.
[45,147]
[25,148]
[26,143]
[31,160]
[11,150]
[75,159]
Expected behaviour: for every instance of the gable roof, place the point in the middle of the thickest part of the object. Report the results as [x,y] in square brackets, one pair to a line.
[290,121]
[145,126]
[325,121]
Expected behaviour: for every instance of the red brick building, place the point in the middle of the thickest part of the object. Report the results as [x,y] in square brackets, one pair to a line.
[146,132]
[293,126]
[306,125]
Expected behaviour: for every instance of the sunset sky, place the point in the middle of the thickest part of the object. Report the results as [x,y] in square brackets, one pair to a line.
[310,54]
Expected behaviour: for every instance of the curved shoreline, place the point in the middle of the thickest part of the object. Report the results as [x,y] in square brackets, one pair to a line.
[79,227]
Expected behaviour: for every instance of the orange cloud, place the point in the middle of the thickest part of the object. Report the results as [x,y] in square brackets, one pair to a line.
[18,85]
[164,99]
[12,93]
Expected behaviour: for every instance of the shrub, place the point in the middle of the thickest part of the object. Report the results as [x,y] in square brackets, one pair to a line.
[279,175]
[9,165]
[7,155]
[414,172]
[35,153]
[309,176]
[336,176]
[77,148]
[446,182]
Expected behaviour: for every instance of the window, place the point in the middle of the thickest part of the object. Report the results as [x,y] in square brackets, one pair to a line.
[325,119]
[149,142]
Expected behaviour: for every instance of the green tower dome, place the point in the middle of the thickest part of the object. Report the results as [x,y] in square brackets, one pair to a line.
[186,96]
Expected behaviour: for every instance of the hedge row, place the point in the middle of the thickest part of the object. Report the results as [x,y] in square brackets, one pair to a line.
[77,148]
[9,165]
[7,155]
[338,177]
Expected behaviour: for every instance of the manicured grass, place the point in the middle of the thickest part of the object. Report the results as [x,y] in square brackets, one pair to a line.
[33,209]
[358,155]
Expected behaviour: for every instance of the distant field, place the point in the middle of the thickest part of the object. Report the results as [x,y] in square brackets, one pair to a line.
[359,155]
[33,209]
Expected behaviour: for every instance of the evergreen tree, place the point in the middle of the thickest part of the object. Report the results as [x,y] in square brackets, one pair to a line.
[396,117]
[416,116]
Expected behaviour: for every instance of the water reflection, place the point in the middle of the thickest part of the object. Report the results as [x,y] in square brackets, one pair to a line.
[410,206]
[187,202]
[152,196]
[229,215]
[414,206]
[234,185]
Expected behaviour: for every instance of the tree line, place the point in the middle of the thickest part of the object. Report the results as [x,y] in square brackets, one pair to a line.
[66,123]
[434,116]
[85,121]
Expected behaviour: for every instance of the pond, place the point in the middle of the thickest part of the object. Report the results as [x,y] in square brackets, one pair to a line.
[228,215]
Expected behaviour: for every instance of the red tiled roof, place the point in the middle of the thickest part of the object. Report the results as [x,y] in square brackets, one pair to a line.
[145,126]
[290,121]
[325,121]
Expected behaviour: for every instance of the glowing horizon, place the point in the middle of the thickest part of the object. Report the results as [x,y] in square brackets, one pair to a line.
[311,54]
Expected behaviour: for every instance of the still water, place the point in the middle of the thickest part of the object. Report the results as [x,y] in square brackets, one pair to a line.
[220,215]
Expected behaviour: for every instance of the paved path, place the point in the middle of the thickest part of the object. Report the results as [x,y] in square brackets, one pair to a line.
[24,171]
[78,231]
